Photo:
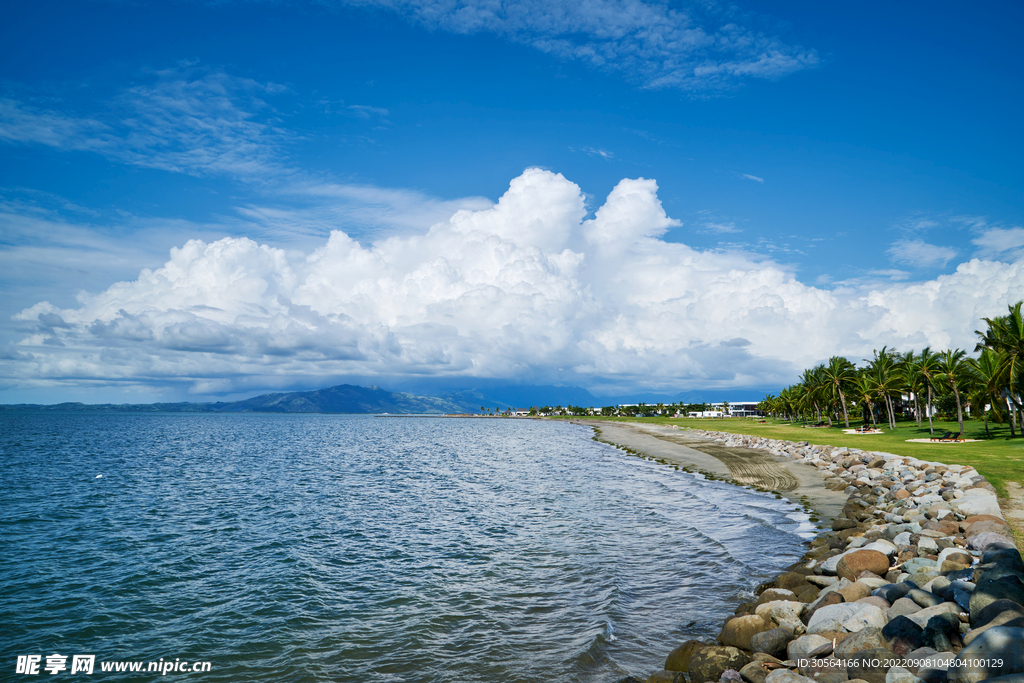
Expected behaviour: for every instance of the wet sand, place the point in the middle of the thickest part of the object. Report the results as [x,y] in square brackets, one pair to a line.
[800,483]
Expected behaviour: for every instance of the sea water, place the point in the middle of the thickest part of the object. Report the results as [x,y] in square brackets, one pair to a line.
[364,549]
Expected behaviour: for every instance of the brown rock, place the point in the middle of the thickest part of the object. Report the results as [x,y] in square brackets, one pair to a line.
[679,658]
[949,528]
[790,580]
[980,518]
[807,593]
[745,608]
[739,630]
[953,566]
[877,601]
[851,565]
[667,677]
[708,663]
[773,594]
[906,555]
[754,673]
[960,558]
[901,494]
[855,591]
[980,530]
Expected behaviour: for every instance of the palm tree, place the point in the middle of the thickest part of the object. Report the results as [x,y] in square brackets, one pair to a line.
[768,404]
[1005,334]
[987,384]
[864,389]
[788,400]
[910,365]
[839,375]
[928,368]
[954,372]
[806,388]
[888,381]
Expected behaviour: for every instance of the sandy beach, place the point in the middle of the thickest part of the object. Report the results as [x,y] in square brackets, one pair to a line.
[796,481]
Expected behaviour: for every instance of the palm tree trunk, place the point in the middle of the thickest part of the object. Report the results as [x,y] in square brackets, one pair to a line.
[846,418]
[959,410]
[892,418]
[928,409]
[917,409]
[1013,420]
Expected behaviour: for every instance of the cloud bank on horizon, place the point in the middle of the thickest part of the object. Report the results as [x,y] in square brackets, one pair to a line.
[528,289]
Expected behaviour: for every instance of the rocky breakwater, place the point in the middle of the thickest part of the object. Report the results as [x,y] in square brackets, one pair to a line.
[918,580]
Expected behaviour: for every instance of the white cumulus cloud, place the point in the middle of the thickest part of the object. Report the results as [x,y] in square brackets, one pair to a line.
[528,288]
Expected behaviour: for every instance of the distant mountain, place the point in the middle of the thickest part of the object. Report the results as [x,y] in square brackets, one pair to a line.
[349,398]
[344,398]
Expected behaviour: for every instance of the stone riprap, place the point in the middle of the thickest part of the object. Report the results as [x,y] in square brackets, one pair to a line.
[918,580]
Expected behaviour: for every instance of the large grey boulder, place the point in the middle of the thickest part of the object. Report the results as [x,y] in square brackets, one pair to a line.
[998,651]
[799,648]
[846,617]
[870,665]
[787,676]
[922,617]
[772,642]
[865,639]
[996,585]
[708,663]
[898,674]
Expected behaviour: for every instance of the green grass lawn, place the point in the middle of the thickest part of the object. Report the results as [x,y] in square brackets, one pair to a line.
[999,459]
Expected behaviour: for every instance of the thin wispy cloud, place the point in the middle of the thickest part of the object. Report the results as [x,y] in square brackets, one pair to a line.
[698,46]
[719,227]
[892,274]
[1001,242]
[365,111]
[207,123]
[920,254]
[195,121]
[752,177]
[603,153]
[36,124]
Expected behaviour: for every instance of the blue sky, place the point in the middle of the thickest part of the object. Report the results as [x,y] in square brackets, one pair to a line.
[815,182]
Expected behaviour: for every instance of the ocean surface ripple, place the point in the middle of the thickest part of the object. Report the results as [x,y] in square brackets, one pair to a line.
[365,549]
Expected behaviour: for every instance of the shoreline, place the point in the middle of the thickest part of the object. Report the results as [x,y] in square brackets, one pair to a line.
[918,581]
[674,446]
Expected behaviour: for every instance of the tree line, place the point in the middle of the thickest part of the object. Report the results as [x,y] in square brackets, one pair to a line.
[991,383]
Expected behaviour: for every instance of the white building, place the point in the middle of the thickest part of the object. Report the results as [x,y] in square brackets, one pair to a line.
[735,409]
